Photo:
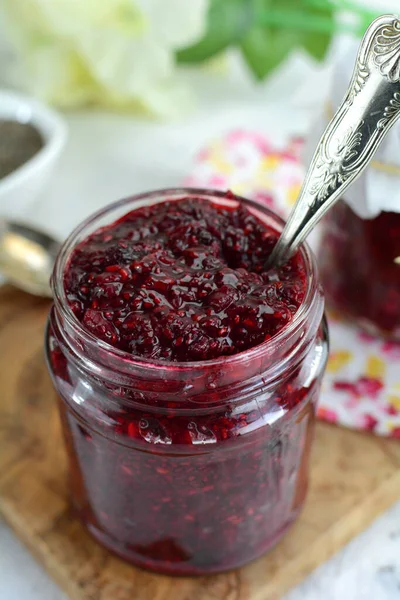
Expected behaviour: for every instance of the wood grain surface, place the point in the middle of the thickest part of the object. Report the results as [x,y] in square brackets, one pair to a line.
[354,477]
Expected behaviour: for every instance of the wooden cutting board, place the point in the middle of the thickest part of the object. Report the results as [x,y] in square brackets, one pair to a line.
[354,477]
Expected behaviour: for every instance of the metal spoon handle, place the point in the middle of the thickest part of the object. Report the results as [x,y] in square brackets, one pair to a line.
[369,110]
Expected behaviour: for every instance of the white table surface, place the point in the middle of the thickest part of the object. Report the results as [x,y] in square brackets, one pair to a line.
[110,156]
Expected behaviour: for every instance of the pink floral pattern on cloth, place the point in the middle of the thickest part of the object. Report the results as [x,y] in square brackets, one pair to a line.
[250,165]
[361,389]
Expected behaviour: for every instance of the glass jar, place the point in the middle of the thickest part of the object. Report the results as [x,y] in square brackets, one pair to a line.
[360,268]
[195,467]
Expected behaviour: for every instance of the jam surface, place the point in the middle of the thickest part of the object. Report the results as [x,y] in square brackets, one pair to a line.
[183,280]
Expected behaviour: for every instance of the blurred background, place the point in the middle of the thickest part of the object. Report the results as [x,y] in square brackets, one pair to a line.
[145,85]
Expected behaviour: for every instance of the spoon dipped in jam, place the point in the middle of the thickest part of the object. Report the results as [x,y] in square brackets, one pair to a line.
[369,110]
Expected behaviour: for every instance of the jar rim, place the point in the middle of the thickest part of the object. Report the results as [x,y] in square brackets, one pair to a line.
[79,234]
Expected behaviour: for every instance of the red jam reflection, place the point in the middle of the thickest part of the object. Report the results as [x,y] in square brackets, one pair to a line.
[360,268]
[200,470]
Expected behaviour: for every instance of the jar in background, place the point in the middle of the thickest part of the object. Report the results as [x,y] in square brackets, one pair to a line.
[359,262]
[187,468]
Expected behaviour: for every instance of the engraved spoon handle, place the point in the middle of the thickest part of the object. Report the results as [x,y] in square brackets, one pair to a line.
[369,110]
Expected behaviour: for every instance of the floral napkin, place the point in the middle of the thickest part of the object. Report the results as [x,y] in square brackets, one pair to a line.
[361,388]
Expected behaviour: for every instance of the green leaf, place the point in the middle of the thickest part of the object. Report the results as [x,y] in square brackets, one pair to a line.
[264,49]
[301,20]
[266,31]
[284,25]
[228,21]
[317,42]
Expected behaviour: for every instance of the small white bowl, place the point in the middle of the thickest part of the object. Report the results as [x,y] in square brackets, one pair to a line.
[21,187]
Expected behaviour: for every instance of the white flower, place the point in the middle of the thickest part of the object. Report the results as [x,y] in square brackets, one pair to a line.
[116,53]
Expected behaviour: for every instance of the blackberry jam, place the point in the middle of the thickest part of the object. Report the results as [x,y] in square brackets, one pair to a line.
[360,268]
[187,378]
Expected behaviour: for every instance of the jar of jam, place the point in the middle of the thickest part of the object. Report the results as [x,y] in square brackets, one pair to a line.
[360,268]
[187,378]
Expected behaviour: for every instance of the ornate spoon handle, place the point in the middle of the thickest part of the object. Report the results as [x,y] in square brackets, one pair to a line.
[369,110]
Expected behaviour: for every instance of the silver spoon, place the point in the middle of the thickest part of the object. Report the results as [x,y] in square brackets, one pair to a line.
[27,257]
[369,110]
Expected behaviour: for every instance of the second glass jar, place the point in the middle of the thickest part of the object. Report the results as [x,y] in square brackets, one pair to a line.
[359,261]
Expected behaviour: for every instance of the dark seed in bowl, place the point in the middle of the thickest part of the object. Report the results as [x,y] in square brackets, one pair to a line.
[19,142]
